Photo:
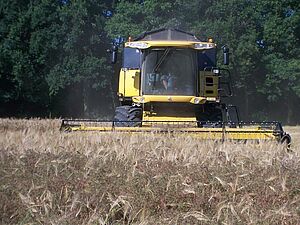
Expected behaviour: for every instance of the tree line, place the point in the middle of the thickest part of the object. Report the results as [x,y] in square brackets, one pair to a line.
[54,60]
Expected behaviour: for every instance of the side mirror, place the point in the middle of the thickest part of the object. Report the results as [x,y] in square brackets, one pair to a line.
[114,54]
[225,55]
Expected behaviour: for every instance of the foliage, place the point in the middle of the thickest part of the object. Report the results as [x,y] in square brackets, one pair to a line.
[49,49]
[47,46]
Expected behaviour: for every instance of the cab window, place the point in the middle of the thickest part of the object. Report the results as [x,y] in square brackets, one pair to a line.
[207,58]
[131,58]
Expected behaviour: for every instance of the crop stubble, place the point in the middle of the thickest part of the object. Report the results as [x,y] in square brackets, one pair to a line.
[51,177]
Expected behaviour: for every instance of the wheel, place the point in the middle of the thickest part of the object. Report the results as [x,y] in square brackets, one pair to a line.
[286,140]
[209,115]
[127,116]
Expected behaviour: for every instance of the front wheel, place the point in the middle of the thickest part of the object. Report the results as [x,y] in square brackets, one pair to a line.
[209,115]
[128,116]
[286,140]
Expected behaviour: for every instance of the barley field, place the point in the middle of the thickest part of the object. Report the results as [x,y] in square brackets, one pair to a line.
[49,177]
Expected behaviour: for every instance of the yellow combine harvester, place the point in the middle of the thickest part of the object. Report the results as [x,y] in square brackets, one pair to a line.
[170,82]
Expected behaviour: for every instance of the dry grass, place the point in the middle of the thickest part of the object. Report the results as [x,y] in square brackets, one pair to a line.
[48,177]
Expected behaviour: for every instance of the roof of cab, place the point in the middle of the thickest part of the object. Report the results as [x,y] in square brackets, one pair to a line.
[167,34]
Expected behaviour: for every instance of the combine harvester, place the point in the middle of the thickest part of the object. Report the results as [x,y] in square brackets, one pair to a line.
[170,83]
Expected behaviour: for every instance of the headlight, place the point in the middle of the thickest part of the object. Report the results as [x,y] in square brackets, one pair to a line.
[140,45]
[138,99]
[196,100]
[216,71]
[203,45]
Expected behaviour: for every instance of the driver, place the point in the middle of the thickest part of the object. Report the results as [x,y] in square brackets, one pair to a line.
[168,81]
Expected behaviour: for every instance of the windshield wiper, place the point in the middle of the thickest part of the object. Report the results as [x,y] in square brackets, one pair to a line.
[161,59]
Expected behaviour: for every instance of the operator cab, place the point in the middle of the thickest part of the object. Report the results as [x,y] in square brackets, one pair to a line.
[169,62]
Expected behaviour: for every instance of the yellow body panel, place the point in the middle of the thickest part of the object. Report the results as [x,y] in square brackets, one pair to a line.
[151,117]
[129,82]
[209,84]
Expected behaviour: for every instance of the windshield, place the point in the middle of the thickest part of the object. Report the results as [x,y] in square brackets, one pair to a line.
[170,71]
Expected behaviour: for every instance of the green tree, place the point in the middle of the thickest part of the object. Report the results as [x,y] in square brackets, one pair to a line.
[49,48]
[134,17]
[281,50]
[19,84]
[82,59]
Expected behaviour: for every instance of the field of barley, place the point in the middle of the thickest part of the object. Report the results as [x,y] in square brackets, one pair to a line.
[49,177]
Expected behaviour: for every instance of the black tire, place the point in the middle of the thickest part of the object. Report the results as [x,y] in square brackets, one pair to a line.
[128,116]
[209,115]
[286,140]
